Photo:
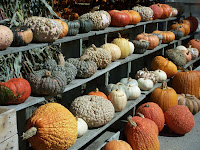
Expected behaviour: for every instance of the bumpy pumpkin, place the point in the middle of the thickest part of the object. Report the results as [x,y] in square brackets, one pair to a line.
[146,13]
[85,67]
[164,96]
[186,82]
[14,91]
[100,56]
[154,112]
[47,83]
[135,17]
[65,28]
[146,74]
[98,93]
[117,145]
[85,106]
[141,46]
[179,119]
[7,37]
[194,52]
[162,63]
[51,126]
[140,135]
[168,36]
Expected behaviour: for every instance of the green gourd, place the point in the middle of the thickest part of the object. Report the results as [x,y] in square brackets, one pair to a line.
[178,34]
[73,27]
[85,26]
[140,46]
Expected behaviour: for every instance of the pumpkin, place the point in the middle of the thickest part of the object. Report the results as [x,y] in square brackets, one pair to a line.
[186,82]
[47,83]
[140,135]
[161,75]
[82,127]
[179,119]
[176,56]
[168,36]
[153,39]
[145,84]
[134,16]
[195,43]
[21,36]
[132,47]
[188,22]
[181,47]
[117,145]
[157,11]
[85,106]
[134,92]
[65,28]
[98,93]
[99,55]
[187,54]
[14,91]
[146,13]
[119,86]
[166,10]
[146,74]
[129,81]
[152,111]
[178,34]
[179,6]
[164,96]
[119,18]
[162,63]
[55,124]
[85,25]
[190,101]
[6,37]
[194,22]
[123,44]
[160,37]
[186,27]
[174,12]
[140,46]
[118,99]
[178,27]
[194,52]
[73,27]
[85,67]
[113,49]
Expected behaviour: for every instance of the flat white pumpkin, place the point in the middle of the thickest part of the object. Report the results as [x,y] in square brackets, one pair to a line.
[129,81]
[145,84]
[134,92]
[132,48]
[82,127]
[162,76]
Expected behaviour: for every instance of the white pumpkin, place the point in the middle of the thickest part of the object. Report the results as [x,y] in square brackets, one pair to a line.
[132,47]
[145,84]
[181,47]
[129,81]
[118,99]
[82,127]
[114,50]
[161,75]
[134,91]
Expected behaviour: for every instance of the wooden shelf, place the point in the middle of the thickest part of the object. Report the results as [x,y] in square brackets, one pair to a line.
[192,62]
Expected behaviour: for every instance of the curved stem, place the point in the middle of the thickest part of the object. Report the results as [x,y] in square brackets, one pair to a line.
[140,115]
[61,59]
[164,85]
[94,47]
[96,90]
[129,118]
[29,133]
[119,35]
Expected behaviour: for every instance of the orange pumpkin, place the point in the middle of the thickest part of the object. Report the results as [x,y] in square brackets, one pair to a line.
[186,27]
[98,93]
[140,135]
[135,17]
[164,96]
[166,10]
[186,82]
[117,145]
[65,28]
[195,43]
[162,63]
[177,27]
[187,54]
[168,36]
[152,111]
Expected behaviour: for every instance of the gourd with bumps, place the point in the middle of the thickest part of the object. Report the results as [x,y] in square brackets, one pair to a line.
[146,13]
[146,74]
[6,37]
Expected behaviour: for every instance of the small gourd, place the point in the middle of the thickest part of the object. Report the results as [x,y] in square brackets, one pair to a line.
[134,92]
[146,74]
[178,34]
[98,93]
[129,81]
[146,13]
[6,37]
[82,127]
[85,26]
[73,27]
[194,52]
[145,84]
[132,47]
[118,99]
[161,75]
[141,46]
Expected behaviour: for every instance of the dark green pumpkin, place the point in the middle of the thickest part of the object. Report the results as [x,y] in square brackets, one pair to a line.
[178,34]
[73,27]
[21,36]
[140,46]
[85,26]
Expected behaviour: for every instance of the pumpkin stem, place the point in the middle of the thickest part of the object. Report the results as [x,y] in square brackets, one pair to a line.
[29,133]
[94,47]
[164,85]
[95,8]
[145,69]
[190,46]
[47,73]
[69,17]
[146,105]
[129,118]
[105,40]
[84,57]
[190,68]
[140,115]
[96,90]
[61,59]
[119,35]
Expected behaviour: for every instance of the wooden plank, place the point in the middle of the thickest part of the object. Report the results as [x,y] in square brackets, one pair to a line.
[8,123]
[95,132]
[10,144]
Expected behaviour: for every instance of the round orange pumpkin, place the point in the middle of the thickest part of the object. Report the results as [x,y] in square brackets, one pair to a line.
[166,10]
[162,63]
[119,18]
[51,126]
[65,28]
[164,96]
[179,119]
[152,111]
[168,36]
[117,145]
[178,27]
[135,17]
[98,93]
[186,27]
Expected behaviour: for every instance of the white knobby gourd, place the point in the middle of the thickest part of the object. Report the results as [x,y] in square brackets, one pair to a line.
[145,84]
[129,81]
[132,48]
[162,76]
[134,92]
[118,99]
[82,127]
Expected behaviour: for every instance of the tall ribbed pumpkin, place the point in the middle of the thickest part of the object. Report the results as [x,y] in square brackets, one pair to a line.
[51,127]
[164,96]
[140,136]
[186,82]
